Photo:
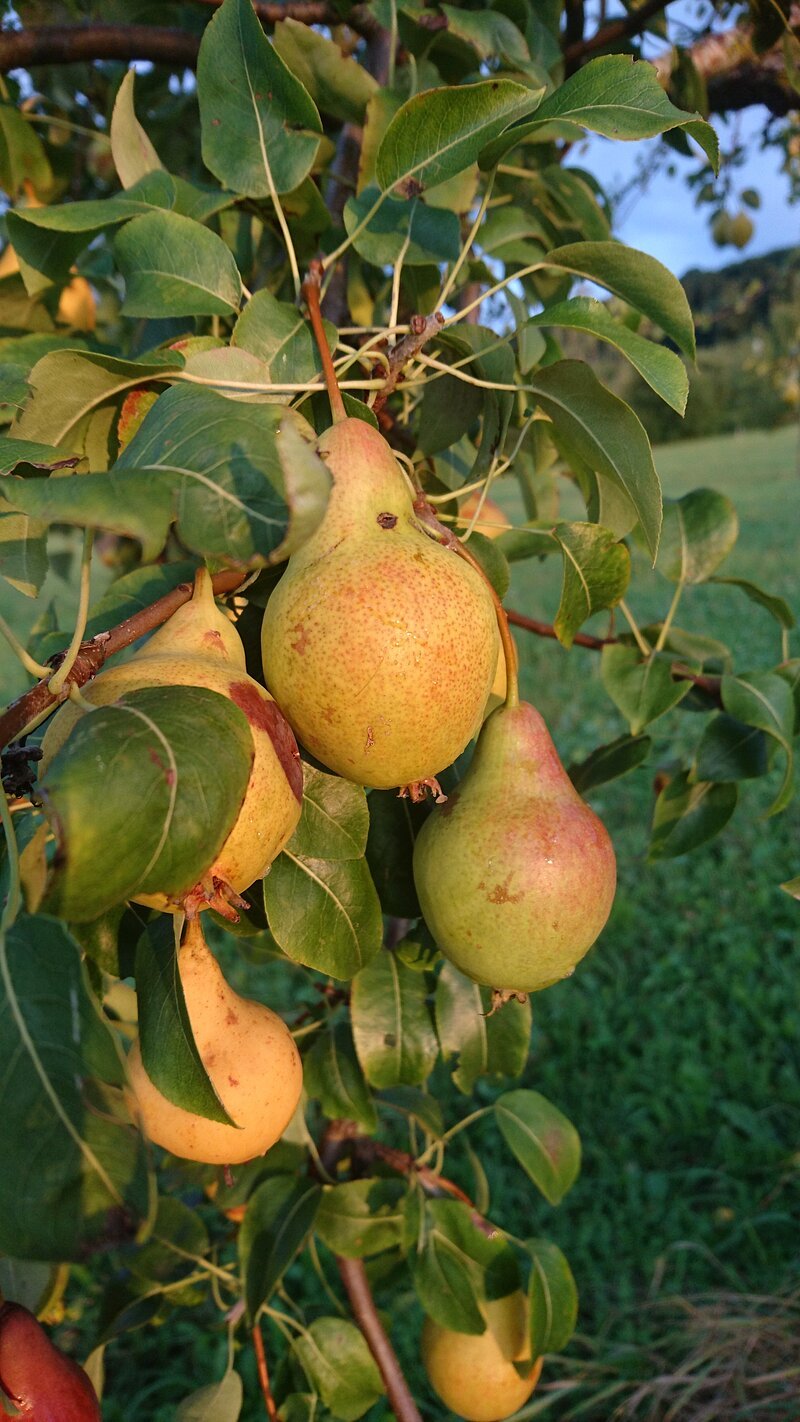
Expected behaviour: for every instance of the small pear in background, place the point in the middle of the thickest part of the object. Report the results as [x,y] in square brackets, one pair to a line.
[515,874]
[379,644]
[41,1382]
[199,646]
[249,1056]
[475,1374]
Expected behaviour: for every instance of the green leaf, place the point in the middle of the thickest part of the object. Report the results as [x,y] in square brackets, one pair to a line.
[175,267]
[730,750]
[607,435]
[394,823]
[459,1267]
[18,454]
[792,887]
[84,1177]
[69,387]
[637,278]
[642,691]
[618,97]
[169,1052]
[334,819]
[23,550]
[361,1217]
[609,762]
[154,744]
[597,571]
[416,1105]
[765,700]
[553,1298]
[440,132]
[280,1216]
[688,814]
[22,154]
[338,1364]
[544,1142]
[402,230]
[242,482]
[337,83]
[279,335]
[322,905]
[776,606]
[133,153]
[492,360]
[219,1402]
[661,368]
[479,1043]
[697,535]
[489,33]
[392,1026]
[333,1077]
[259,127]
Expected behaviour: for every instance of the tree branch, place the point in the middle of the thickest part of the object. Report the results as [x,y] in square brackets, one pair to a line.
[711,685]
[263,1374]
[736,74]
[422,328]
[66,44]
[356,1283]
[95,652]
[633,24]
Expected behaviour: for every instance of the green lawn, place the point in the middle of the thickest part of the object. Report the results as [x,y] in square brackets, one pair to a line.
[674,1048]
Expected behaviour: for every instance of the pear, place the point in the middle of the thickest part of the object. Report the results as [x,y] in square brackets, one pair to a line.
[43,1384]
[474,1374]
[198,646]
[249,1056]
[515,874]
[379,643]
[491,519]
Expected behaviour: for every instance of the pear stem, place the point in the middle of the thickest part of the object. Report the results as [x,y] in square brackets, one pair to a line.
[506,639]
[263,1374]
[311,291]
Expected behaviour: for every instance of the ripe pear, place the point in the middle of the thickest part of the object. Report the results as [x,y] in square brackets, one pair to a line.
[491,520]
[474,1374]
[379,643]
[37,1377]
[198,646]
[249,1056]
[515,874]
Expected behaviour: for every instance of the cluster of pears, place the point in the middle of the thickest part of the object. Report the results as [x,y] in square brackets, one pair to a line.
[488,1376]
[36,1377]
[247,1050]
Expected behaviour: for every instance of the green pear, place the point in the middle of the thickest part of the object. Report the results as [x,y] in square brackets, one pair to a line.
[199,646]
[379,644]
[41,1382]
[515,874]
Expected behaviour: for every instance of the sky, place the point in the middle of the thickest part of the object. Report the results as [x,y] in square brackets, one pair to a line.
[663,219]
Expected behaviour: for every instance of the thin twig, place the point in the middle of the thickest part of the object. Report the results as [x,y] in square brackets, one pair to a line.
[632,24]
[421,328]
[40,701]
[263,1374]
[356,1283]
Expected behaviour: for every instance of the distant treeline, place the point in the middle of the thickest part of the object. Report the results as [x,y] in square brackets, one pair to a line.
[747,375]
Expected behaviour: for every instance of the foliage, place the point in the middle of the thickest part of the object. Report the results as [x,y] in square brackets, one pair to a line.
[170,418]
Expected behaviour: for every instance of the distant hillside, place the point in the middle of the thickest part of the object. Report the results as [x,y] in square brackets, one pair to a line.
[745,296]
[747,375]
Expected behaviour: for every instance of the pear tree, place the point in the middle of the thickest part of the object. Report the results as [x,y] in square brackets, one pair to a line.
[287,845]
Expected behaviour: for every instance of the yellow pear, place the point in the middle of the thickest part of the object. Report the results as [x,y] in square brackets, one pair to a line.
[491,520]
[474,1374]
[249,1056]
[198,646]
[379,643]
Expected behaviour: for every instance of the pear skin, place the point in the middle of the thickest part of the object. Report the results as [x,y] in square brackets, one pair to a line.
[491,520]
[249,1056]
[379,644]
[198,646]
[474,1374]
[39,1379]
[515,874]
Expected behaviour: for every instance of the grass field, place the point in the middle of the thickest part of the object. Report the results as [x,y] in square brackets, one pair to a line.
[674,1048]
